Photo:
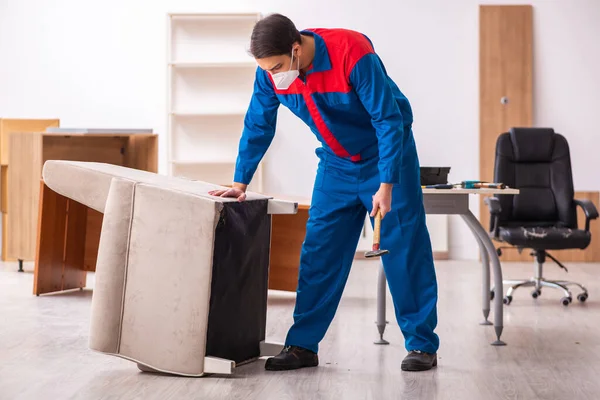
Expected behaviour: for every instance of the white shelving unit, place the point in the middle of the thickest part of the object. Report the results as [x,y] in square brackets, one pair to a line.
[210,82]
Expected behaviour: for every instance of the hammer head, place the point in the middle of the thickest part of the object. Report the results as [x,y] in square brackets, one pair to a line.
[375,253]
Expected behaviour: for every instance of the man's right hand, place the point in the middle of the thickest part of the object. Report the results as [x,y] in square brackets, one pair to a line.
[238,191]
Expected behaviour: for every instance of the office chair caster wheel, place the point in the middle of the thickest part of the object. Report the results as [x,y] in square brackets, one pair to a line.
[566,301]
[582,297]
[507,300]
[536,293]
[492,295]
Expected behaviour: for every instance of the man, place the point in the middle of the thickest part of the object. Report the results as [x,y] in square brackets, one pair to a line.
[334,81]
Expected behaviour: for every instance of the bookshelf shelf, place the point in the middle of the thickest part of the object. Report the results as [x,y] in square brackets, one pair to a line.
[213,64]
[210,82]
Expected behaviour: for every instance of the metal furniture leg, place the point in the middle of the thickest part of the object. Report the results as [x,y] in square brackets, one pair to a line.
[381,300]
[478,230]
[485,291]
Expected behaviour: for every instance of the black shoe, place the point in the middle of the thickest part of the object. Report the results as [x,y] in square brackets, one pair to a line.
[292,357]
[419,361]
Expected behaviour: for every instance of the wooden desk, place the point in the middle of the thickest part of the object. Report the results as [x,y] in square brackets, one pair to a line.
[456,202]
[288,231]
[27,154]
[7,127]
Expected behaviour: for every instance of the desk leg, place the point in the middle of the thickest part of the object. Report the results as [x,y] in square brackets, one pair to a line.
[60,246]
[381,322]
[485,299]
[478,230]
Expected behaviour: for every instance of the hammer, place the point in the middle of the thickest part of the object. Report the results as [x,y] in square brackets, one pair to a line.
[376,252]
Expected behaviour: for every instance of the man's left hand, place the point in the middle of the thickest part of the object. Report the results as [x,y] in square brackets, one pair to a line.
[382,200]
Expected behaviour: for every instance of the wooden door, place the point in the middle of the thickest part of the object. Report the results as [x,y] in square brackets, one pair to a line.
[505,80]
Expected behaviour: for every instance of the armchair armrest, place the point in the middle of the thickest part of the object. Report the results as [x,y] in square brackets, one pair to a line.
[589,209]
[495,209]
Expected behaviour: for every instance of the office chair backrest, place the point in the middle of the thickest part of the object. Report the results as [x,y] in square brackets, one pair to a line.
[538,163]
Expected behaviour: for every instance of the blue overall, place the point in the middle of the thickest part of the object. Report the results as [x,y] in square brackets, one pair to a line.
[364,124]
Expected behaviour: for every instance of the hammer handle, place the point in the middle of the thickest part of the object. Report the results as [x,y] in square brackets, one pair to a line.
[376,230]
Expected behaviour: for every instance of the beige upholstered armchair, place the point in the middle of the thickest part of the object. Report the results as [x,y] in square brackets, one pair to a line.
[181,276]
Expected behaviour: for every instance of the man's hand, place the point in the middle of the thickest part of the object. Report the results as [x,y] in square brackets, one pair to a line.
[382,200]
[238,190]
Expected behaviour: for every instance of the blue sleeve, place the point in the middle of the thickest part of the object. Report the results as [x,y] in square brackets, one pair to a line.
[370,82]
[259,128]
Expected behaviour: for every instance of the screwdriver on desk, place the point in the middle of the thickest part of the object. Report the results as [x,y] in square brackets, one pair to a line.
[486,185]
[481,185]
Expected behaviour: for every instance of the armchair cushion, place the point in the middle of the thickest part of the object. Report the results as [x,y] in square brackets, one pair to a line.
[548,238]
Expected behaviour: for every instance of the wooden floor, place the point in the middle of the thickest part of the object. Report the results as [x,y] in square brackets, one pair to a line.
[553,351]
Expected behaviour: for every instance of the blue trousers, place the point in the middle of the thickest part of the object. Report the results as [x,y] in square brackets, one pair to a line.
[341,196]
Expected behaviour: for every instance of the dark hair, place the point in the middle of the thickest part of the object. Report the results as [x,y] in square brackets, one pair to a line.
[273,35]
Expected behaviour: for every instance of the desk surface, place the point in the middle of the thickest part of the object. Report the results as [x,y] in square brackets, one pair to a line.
[470,191]
[303,203]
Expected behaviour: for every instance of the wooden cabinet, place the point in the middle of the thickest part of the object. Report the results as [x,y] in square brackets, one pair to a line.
[7,126]
[29,151]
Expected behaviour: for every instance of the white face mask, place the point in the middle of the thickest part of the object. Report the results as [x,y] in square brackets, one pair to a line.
[283,80]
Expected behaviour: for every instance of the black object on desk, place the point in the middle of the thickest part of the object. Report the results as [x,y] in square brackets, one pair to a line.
[434,175]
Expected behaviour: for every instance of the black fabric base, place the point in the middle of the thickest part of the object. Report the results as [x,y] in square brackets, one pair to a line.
[238,300]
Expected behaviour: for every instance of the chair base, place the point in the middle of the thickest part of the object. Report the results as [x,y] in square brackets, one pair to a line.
[538,282]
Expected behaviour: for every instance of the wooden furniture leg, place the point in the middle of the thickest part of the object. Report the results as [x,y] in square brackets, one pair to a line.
[60,250]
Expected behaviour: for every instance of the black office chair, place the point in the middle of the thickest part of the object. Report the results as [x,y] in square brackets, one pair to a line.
[543,215]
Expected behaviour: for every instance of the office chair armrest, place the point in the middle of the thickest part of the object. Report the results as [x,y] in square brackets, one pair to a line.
[495,209]
[589,209]
[493,204]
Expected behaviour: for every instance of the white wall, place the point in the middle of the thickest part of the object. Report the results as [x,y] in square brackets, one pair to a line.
[103,64]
